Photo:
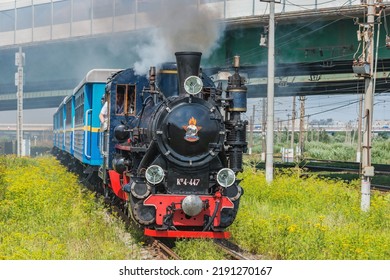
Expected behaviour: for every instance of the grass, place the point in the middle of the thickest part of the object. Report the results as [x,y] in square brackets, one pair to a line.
[198,249]
[310,219]
[45,214]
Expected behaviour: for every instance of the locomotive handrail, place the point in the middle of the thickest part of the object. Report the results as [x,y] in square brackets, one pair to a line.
[86,134]
[64,133]
[73,136]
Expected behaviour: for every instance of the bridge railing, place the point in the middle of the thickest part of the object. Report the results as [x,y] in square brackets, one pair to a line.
[26,127]
[29,21]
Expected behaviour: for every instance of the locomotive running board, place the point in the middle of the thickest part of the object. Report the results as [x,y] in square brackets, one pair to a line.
[187,234]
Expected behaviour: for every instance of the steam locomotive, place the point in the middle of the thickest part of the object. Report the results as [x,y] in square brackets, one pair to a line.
[169,149]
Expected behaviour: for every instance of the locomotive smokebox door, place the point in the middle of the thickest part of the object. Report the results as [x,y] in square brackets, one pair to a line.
[189,134]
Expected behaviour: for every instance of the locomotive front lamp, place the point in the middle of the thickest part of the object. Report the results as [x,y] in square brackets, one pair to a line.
[226,177]
[154,174]
[192,205]
[193,85]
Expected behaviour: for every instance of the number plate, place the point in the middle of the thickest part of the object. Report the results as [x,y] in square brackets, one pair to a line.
[187,182]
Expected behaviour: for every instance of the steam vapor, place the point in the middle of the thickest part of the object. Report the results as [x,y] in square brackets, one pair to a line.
[178,26]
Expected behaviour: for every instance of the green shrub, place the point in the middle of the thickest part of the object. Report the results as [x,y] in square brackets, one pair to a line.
[335,151]
[381,152]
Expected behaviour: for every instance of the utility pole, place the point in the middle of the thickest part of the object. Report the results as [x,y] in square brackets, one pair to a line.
[269,168]
[293,124]
[302,124]
[250,135]
[263,126]
[19,61]
[288,128]
[367,169]
[251,127]
[359,131]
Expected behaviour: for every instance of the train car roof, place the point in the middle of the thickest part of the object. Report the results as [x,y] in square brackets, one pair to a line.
[62,103]
[93,76]
[96,76]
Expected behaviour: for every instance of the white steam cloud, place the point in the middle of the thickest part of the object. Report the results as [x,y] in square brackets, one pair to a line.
[179,26]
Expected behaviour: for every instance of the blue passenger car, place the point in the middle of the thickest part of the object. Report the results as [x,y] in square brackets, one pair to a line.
[59,126]
[69,124]
[76,122]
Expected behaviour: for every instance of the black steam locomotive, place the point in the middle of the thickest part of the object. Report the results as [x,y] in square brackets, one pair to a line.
[170,147]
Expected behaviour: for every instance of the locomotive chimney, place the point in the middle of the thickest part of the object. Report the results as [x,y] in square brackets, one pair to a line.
[188,64]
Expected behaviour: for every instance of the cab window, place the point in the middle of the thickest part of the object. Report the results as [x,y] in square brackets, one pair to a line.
[125,100]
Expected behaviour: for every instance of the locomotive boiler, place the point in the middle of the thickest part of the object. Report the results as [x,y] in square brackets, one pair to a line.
[172,146]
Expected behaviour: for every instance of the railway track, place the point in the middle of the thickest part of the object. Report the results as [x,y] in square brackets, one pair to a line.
[155,249]
[340,169]
[333,165]
[380,188]
[233,251]
[162,249]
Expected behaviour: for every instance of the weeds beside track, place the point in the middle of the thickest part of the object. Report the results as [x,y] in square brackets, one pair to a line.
[45,214]
[310,218]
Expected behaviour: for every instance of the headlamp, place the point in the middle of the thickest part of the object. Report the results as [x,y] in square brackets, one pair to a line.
[226,177]
[154,174]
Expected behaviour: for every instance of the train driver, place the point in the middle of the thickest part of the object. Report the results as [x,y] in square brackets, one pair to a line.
[120,101]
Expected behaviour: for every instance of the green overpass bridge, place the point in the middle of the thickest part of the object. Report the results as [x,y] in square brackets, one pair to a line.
[314,48]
